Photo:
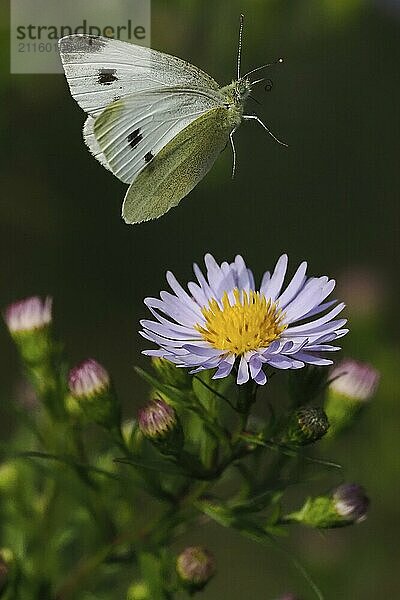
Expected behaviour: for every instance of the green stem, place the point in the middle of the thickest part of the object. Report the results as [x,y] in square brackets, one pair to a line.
[218,394]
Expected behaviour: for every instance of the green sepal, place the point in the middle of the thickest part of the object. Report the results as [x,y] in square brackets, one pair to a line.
[169,374]
[305,385]
[342,412]
[35,346]
[171,393]
[318,512]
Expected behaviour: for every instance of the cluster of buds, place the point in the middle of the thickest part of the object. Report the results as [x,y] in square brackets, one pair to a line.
[159,423]
[91,388]
[352,385]
[195,567]
[347,504]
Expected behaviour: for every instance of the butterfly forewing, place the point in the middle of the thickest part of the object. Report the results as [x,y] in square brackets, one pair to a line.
[101,70]
[131,131]
[177,168]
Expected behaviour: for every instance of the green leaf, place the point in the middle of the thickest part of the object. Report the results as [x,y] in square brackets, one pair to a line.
[259,502]
[208,390]
[161,466]
[288,451]
[152,572]
[174,394]
[252,530]
[66,460]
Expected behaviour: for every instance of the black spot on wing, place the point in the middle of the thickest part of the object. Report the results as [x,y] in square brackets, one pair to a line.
[107,76]
[148,157]
[134,138]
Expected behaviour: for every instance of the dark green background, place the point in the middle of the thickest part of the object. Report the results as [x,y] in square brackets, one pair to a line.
[330,198]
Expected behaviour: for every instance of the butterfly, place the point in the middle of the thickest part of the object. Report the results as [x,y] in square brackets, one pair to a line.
[156,122]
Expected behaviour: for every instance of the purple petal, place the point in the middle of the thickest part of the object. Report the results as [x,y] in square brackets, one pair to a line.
[265,281]
[310,359]
[243,371]
[319,309]
[201,351]
[260,378]
[308,298]
[310,325]
[274,286]
[285,362]
[224,369]
[294,286]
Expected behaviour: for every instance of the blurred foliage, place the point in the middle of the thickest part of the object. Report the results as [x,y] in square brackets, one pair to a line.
[332,198]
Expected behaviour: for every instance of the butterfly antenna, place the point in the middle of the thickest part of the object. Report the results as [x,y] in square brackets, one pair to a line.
[258,81]
[276,62]
[239,58]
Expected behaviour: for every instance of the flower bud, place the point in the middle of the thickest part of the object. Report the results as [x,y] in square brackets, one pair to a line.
[90,386]
[159,423]
[170,374]
[289,597]
[29,323]
[352,384]
[6,560]
[306,425]
[351,502]
[138,591]
[9,476]
[29,314]
[348,504]
[195,567]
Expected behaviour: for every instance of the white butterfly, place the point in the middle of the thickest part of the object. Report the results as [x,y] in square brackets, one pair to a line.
[155,121]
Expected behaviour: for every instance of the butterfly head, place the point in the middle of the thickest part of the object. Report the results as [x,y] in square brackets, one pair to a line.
[236,93]
[242,90]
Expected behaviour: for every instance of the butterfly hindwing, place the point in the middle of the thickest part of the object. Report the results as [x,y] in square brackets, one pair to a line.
[92,143]
[102,70]
[177,168]
[133,129]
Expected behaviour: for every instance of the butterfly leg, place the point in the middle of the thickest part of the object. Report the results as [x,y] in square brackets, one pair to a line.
[234,153]
[255,118]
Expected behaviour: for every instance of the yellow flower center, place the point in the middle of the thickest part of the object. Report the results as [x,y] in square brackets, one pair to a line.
[250,323]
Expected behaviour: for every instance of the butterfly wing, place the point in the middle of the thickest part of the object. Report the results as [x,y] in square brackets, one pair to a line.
[92,143]
[131,131]
[101,70]
[177,168]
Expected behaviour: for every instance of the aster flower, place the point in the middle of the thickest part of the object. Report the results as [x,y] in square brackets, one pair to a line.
[224,321]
